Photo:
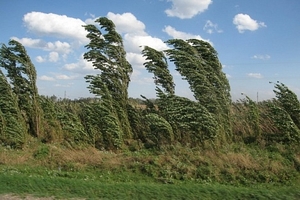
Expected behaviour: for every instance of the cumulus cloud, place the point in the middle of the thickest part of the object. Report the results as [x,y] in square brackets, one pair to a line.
[49,24]
[136,59]
[134,34]
[255,75]
[262,57]
[40,59]
[188,8]
[211,28]
[244,22]
[53,56]
[181,35]
[127,23]
[133,43]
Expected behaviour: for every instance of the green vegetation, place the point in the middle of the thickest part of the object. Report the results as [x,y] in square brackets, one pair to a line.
[113,146]
[237,172]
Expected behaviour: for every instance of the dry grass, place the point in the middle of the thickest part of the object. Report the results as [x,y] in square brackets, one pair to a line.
[11,157]
[176,161]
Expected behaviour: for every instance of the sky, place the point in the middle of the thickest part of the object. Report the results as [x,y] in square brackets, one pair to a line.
[258,42]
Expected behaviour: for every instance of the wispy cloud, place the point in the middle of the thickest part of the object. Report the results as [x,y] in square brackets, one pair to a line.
[211,28]
[57,46]
[46,78]
[262,57]
[255,75]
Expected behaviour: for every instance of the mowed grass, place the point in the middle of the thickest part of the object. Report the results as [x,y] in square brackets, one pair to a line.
[42,182]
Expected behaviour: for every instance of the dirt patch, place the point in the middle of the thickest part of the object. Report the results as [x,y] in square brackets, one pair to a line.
[15,197]
[27,197]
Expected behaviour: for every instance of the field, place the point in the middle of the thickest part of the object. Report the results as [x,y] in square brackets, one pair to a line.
[61,173]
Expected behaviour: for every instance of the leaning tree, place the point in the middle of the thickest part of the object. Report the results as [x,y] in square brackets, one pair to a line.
[22,76]
[107,54]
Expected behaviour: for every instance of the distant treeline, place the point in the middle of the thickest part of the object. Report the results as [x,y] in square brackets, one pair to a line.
[114,121]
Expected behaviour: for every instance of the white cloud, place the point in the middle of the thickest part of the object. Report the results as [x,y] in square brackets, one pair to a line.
[49,24]
[244,22]
[133,43]
[188,8]
[40,59]
[181,35]
[136,60]
[211,28]
[262,57]
[62,47]
[64,85]
[255,75]
[133,31]
[65,77]
[81,66]
[29,42]
[58,46]
[46,78]
[127,23]
[53,56]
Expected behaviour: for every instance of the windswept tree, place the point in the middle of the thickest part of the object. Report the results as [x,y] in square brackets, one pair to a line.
[288,100]
[106,52]
[12,124]
[197,62]
[156,63]
[285,113]
[191,121]
[22,76]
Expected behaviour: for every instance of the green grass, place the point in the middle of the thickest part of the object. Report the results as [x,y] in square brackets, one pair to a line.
[108,185]
[174,172]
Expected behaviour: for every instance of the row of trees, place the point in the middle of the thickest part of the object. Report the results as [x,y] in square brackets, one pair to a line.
[113,121]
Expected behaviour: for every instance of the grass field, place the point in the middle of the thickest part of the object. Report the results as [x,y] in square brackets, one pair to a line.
[42,182]
[234,172]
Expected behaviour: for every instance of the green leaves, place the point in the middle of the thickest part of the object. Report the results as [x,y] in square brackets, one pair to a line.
[197,62]
[22,75]
[161,132]
[12,124]
[286,113]
[157,64]
[107,54]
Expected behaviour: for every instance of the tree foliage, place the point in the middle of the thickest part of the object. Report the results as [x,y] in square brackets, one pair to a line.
[113,121]
[107,54]
[12,124]
[197,62]
[22,75]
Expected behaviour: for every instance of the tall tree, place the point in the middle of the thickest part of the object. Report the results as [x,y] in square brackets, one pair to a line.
[22,75]
[197,62]
[106,52]
[12,124]
[190,121]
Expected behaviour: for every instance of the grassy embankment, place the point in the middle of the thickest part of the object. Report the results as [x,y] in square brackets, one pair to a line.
[175,172]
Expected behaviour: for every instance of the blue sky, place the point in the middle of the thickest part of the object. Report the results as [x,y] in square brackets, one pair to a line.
[257,41]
